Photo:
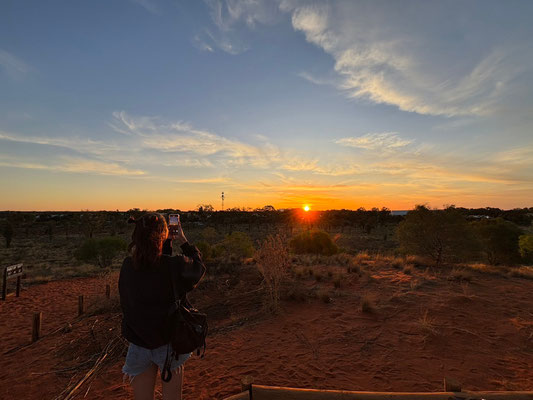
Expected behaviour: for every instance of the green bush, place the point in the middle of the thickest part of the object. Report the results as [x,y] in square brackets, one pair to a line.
[236,244]
[205,248]
[499,240]
[210,235]
[102,251]
[313,242]
[525,243]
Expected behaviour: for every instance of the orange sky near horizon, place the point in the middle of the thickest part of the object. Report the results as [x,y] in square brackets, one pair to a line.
[108,193]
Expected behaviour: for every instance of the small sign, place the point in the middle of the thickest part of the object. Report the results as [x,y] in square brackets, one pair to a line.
[13,270]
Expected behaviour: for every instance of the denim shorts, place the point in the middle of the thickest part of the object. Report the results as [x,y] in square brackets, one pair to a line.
[140,358]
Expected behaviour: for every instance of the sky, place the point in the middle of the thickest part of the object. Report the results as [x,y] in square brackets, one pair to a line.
[334,104]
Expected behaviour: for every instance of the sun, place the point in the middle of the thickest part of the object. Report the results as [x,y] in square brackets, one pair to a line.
[306,208]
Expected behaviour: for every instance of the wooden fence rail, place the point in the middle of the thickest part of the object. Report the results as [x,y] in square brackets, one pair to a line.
[260,392]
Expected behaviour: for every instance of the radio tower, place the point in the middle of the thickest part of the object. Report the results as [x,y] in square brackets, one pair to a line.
[222,201]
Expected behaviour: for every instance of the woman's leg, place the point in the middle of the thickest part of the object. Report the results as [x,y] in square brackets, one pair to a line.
[172,389]
[144,384]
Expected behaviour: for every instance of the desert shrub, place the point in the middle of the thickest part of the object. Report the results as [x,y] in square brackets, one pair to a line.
[499,240]
[295,291]
[525,244]
[313,242]
[210,235]
[438,234]
[205,248]
[273,262]
[102,251]
[236,244]
[8,232]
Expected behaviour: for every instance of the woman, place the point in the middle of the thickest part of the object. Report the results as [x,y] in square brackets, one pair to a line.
[145,297]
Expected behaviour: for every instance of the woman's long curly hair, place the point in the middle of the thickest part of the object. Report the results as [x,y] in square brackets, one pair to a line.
[147,240]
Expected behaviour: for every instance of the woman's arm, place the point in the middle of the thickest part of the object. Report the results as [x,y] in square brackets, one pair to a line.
[193,268]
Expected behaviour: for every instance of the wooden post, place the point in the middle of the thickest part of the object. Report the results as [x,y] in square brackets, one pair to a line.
[246,383]
[36,326]
[80,305]
[451,385]
[18,286]
[107,291]
[4,284]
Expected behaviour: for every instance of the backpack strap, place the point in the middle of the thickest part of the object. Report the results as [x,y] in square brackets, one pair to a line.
[166,373]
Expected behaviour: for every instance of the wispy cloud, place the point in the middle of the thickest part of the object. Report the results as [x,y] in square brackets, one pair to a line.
[227,16]
[71,164]
[379,61]
[85,145]
[148,5]
[13,66]
[375,141]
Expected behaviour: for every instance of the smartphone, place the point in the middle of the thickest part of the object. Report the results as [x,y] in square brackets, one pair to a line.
[173,223]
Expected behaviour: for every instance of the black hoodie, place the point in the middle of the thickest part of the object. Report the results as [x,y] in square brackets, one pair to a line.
[146,293]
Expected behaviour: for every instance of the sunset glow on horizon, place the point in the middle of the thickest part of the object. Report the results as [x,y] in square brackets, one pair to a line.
[155,104]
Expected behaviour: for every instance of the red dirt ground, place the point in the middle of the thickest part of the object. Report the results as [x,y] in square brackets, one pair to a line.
[480,334]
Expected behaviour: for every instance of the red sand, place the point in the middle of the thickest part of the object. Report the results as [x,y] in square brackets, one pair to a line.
[484,339]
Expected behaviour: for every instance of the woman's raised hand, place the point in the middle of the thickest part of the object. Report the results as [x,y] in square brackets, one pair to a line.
[176,233]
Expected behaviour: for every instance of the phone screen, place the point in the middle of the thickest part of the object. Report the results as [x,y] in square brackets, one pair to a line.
[173,219]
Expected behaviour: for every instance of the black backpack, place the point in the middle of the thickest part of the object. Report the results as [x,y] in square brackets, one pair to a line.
[186,330]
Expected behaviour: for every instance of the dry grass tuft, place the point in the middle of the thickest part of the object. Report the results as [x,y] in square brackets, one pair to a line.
[324,297]
[362,257]
[354,269]
[368,304]
[460,274]
[417,261]
[408,269]
[342,259]
[397,262]
[465,288]
[525,272]
[427,324]
[296,291]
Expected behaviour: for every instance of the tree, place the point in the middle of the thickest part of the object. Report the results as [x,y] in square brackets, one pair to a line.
[8,232]
[102,251]
[525,243]
[205,208]
[438,234]
[499,240]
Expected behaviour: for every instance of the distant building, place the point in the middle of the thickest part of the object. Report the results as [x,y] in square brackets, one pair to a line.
[399,212]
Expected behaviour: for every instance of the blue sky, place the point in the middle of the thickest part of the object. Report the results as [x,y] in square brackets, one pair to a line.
[336,104]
